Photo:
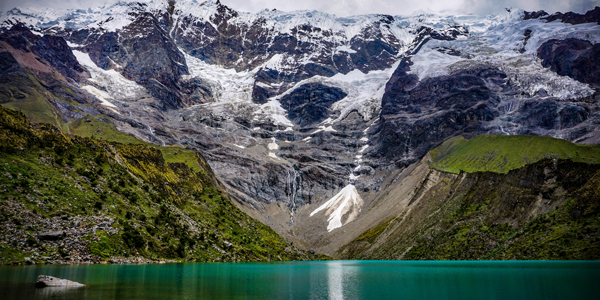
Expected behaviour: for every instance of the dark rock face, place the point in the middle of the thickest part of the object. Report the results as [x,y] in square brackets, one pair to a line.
[8,64]
[282,80]
[575,58]
[528,15]
[199,91]
[52,49]
[571,115]
[415,115]
[19,37]
[309,104]
[144,53]
[591,16]
[425,34]
[260,94]
[543,114]
[11,72]
[55,50]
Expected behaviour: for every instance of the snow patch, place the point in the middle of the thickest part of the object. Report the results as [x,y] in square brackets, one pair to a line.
[273,112]
[116,86]
[344,48]
[347,201]
[273,145]
[101,95]
[363,148]
[227,84]
[324,128]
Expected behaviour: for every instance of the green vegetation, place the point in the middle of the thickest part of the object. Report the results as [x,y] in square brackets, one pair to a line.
[104,130]
[476,229]
[546,210]
[502,153]
[373,233]
[160,208]
[24,93]
[94,128]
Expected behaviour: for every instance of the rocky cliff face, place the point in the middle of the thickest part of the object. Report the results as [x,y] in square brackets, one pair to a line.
[291,108]
[575,58]
[52,50]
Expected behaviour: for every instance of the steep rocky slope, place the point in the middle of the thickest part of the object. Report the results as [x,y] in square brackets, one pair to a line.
[68,199]
[292,109]
[502,208]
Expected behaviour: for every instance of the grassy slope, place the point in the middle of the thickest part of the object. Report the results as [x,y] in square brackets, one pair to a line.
[24,93]
[547,209]
[492,219]
[92,127]
[519,215]
[501,153]
[162,209]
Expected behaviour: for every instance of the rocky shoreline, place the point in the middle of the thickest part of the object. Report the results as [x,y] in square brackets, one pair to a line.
[60,240]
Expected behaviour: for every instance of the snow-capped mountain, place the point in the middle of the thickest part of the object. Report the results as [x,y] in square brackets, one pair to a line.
[293,109]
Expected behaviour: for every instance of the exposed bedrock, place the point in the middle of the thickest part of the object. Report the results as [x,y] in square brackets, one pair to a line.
[417,115]
[591,16]
[143,52]
[310,103]
[575,58]
[52,49]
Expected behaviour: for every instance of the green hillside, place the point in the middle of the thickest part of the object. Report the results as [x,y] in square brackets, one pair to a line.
[106,131]
[116,200]
[502,153]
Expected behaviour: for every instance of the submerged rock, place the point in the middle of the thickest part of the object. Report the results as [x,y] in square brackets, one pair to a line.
[49,281]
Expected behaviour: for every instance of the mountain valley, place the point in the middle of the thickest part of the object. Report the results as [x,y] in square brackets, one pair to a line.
[426,136]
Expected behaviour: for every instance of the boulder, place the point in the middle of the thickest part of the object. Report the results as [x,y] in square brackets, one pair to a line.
[49,281]
[51,235]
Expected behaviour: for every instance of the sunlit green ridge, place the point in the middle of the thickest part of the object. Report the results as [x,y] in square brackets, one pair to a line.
[502,153]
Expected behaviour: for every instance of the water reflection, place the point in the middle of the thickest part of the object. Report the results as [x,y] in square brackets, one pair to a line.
[336,278]
[55,292]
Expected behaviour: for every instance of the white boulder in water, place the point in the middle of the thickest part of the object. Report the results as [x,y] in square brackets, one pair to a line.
[49,281]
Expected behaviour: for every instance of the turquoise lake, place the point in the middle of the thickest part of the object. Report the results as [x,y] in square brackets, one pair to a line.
[314,280]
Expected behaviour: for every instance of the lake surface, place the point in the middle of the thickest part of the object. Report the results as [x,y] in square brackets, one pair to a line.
[314,280]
